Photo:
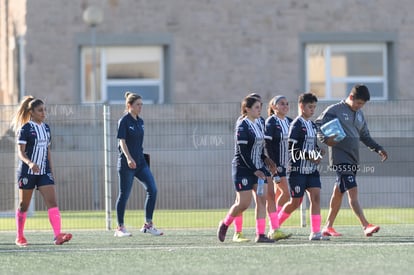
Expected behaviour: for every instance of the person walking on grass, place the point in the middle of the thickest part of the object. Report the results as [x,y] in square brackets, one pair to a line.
[344,155]
[247,168]
[276,145]
[305,156]
[35,166]
[238,236]
[275,233]
[132,163]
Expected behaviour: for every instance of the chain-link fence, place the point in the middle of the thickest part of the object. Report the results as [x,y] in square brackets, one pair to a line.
[191,148]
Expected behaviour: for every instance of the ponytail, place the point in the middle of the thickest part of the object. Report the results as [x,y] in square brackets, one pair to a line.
[22,115]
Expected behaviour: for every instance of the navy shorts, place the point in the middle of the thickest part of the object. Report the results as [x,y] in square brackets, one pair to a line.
[345,181]
[345,175]
[281,171]
[245,183]
[298,183]
[32,181]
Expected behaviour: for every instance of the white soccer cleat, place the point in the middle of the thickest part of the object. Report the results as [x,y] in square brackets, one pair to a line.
[122,232]
[149,228]
[371,229]
[317,236]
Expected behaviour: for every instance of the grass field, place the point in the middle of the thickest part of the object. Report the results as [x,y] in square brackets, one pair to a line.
[192,247]
[196,218]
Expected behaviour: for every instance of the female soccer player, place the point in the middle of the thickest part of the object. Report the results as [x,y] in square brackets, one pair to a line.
[248,167]
[276,137]
[131,163]
[305,155]
[35,169]
[238,236]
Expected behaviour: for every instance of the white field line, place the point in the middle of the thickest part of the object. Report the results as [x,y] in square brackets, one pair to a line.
[177,248]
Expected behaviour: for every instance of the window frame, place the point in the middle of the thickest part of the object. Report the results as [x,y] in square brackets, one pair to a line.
[131,82]
[137,82]
[386,40]
[164,41]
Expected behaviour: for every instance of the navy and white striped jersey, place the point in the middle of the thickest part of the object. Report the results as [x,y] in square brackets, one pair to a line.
[302,145]
[276,137]
[37,139]
[261,121]
[249,138]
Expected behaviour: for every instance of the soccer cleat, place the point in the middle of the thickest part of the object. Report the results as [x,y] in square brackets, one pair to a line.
[239,238]
[263,239]
[62,238]
[330,231]
[149,228]
[221,231]
[278,235]
[21,241]
[317,236]
[122,232]
[371,229]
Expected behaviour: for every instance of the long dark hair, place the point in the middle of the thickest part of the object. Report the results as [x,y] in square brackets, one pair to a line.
[248,102]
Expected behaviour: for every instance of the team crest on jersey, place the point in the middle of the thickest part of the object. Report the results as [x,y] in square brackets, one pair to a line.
[244,181]
[359,117]
[345,116]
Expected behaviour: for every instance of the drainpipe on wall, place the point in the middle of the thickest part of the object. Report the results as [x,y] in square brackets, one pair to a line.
[21,44]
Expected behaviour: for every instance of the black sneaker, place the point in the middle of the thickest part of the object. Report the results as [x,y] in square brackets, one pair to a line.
[263,239]
[221,231]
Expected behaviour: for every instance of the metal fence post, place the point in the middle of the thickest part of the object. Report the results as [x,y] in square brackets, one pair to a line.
[303,212]
[107,160]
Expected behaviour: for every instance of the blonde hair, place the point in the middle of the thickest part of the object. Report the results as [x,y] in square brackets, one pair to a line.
[23,113]
[130,98]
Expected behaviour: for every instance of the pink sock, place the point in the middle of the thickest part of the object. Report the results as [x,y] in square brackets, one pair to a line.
[260,226]
[274,221]
[279,208]
[283,216]
[20,221]
[315,223]
[228,219]
[238,223]
[55,220]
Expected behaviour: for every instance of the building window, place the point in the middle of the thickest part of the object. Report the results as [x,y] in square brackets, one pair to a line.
[139,69]
[332,69]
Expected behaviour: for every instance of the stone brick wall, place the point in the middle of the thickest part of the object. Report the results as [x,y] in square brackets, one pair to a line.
[222,49]
[12,25]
